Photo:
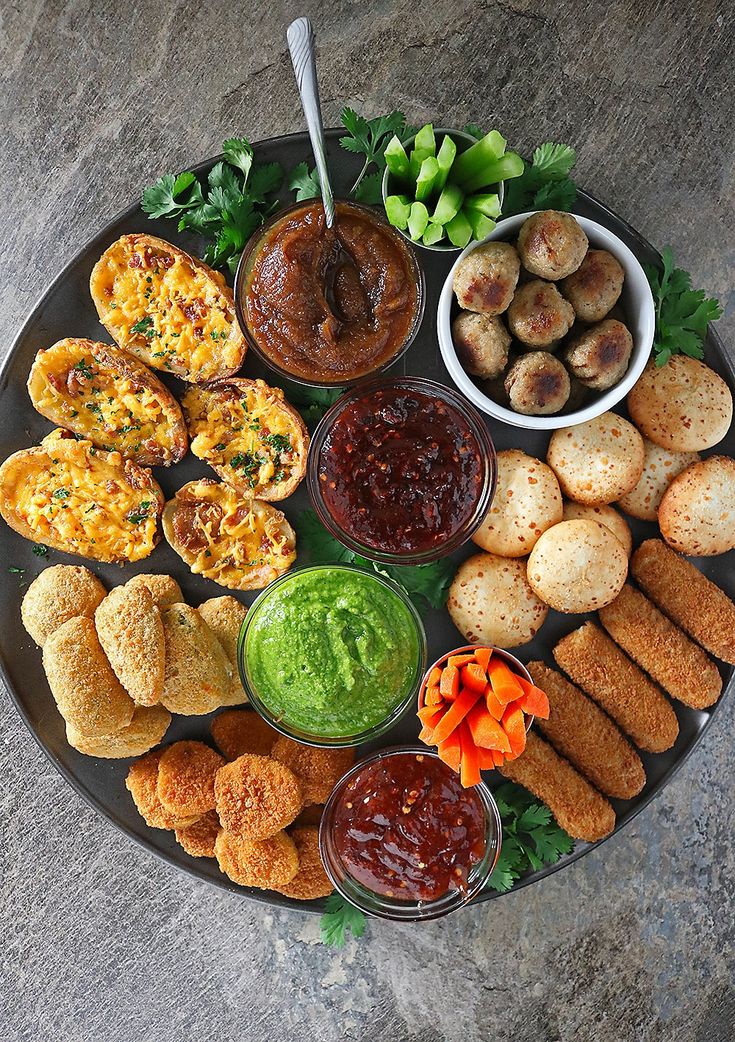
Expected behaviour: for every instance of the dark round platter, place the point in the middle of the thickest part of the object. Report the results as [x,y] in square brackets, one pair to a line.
[66,309]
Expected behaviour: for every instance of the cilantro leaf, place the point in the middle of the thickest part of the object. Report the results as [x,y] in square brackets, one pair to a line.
[508,867]
[264,179]
[238,152]
[545,182]
[160,200]
[339,917]
[370,189]
[682,314]
[531,836]
[430,582]
[304,182]
[323,548]
[312,402]
[368,137]
[553,160]
[473,130]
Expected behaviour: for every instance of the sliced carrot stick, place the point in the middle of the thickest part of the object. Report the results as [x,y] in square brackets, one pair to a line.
[449,683]
[514,725]
[474,677]
[456,713]
[505,683]
[494,707]
[427,714]
[469,768]
[498,758]
[485,731]
[482,657]
[459,660]
[535,702]
[432,696]
[485,759]
[434,677]
[449,751]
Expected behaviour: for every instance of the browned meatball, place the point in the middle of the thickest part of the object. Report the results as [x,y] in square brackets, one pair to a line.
[551,244]
[593,289]
[537,384]
[538,314]
[486,278]
[600,356]
[482,343]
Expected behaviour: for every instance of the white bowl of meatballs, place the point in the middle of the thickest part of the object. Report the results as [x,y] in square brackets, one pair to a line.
[547,322]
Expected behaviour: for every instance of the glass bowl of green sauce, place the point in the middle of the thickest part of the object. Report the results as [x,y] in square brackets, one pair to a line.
[332,655]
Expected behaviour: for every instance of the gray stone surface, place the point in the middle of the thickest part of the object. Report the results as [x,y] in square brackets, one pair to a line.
[99,940]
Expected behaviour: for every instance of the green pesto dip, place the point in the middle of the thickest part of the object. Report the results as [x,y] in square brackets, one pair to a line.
[332,651]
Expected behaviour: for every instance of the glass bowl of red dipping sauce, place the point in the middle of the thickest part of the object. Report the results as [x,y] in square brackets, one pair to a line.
[402,470]
[401,839]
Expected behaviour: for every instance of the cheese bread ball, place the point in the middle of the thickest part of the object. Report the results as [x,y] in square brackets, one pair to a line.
[482,343]
[594,288]
[59,593]
[697,511]
[597,461]
[660,467]
[537,384]
[491,602]
[539,315]
[486,278]
[683,405]
[600,356]
[527,501]
[605,515]
[577,566]
[551,244]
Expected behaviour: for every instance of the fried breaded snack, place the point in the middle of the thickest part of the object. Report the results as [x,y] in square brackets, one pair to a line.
[145,730]
[87,692]
[131,633]
[577,806]
[311,881]
[587,737]
[256,796]
[686,596]
[318,770]
[197,674]
[238,731]
[142,784]
[681,667]
[186,774]
[634,702]
[198,839]
[163,588]
[265,864]
[59,593]
[225,616]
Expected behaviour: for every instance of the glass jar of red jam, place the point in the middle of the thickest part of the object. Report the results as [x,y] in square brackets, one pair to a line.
[402,470]
[401,838]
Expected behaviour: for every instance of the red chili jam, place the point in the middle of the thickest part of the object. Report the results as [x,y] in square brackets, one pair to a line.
[405,828]
[401,471]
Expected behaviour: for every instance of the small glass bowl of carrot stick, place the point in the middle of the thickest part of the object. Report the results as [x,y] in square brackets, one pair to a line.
[475,705]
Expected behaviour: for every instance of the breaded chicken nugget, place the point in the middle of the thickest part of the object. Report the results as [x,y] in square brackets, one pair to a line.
[145,730]
[131,633]
[265,864]
[256,796]
[579,730]
[198,839]
[163,588]
[87,692]
[682,669]
[577,806]
[238,731]
[311,881]
[186,774]
[225,616]
[142,784]
[59,593]
[197,673]
[686,596]
[634,702]
[318,770]
[311,815]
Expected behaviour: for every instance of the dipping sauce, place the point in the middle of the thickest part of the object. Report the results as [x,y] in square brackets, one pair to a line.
[332,651]
[405,828]
[315,313]
[402,471]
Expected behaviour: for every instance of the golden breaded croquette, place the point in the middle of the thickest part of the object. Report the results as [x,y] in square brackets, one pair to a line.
[311,881]
[59,593]
[265,863]
[311,815]
[198,839]
[587,737]
[142,784]
[225,616]
[318,770]
[256,796]
[163,588]
[577,806]
[145,730]
[238,731]
[679,665]
[186,774]
[131,634]
[87,692]
[680,590]
[197,673]
[626,694]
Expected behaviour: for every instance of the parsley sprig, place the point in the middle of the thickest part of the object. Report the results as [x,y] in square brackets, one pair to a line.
[545,183]
[531,837]
[339,917]
[682,313]
[312,402]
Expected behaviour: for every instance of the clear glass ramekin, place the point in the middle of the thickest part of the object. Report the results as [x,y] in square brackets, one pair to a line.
[402,704]
[389,908]
[249,256]
[487,454]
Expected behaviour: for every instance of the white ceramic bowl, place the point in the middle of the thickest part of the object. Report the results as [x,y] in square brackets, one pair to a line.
[636,300]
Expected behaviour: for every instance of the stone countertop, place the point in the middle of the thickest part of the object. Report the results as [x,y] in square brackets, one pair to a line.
[98,938]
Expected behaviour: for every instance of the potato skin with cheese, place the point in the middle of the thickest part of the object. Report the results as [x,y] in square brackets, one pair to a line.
[169,309]
[110,398]
[76,498]
[240,543]
[249,435]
